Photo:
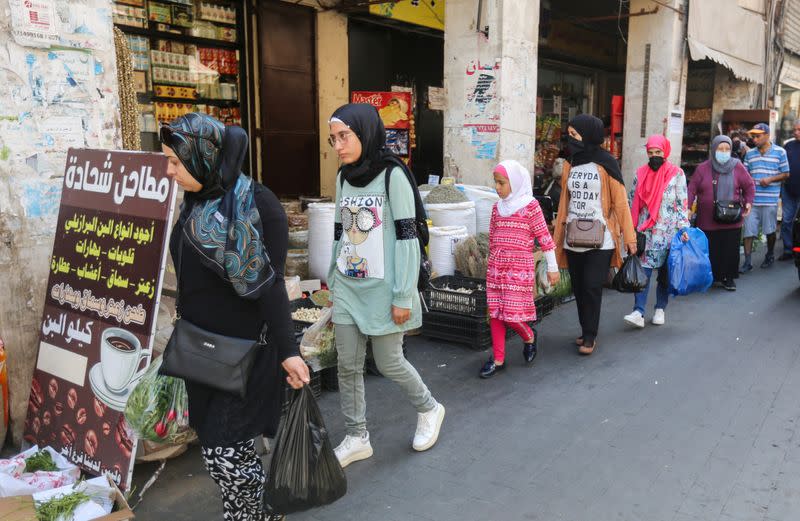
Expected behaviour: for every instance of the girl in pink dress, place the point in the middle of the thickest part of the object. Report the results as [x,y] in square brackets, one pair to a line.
[517,220]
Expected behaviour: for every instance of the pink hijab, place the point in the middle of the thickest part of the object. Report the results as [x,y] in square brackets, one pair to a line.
[650,185]
[521,189]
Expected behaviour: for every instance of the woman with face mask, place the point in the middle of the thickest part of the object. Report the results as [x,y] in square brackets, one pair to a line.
[659,211]
[593,219]
[721,178]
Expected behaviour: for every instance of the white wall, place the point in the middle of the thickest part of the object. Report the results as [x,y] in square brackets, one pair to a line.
[666,93]
[41,115]
[500,122]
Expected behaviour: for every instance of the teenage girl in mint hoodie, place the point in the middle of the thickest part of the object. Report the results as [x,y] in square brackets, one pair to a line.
[373,277]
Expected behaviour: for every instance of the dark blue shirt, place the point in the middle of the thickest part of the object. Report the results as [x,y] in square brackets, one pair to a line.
[793,153]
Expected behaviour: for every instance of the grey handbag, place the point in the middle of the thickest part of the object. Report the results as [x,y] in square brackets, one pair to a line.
[585,233]
[211,359]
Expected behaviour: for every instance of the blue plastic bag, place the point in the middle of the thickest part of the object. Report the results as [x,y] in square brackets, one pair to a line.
[689,265]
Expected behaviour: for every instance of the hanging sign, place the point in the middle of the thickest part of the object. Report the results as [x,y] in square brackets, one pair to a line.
[100,309]
[33,22]
[395,112]
[428,13]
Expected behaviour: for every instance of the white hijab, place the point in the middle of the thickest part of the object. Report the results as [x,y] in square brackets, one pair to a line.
[521,189]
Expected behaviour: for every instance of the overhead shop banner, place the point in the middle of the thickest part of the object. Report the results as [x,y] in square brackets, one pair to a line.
[427,13]
[101,304]
[739,47]
[790,72]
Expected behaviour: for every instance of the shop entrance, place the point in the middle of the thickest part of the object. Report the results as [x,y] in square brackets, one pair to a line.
[288,98]
[383,56]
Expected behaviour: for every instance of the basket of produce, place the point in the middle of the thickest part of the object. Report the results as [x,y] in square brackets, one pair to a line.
[459,295]
[304,313]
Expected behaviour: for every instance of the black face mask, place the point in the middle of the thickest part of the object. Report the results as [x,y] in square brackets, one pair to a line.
[575,146]
[655,163]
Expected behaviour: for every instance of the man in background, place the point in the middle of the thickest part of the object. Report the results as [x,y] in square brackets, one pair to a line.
[790,196]
[769,167]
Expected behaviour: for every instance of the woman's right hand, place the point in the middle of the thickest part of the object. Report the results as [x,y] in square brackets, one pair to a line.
[297,370]
[631,248]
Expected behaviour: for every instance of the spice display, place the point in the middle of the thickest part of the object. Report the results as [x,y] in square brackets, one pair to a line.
[42,460]
[310,315]
[444,194]
[158,408]
[321,298]
[472,255]
[297,264]
[60,508]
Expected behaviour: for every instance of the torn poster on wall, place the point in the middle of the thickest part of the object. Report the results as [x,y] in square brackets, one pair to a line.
[482,109]
[83,24]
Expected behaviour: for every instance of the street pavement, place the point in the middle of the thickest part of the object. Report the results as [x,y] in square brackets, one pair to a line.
[696,420]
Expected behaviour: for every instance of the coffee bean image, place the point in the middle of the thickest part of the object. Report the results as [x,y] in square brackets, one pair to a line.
[36,398]
[90,443]
[52,389]
[67,435]
[99,408]
[47,418]
[121,436]
[72,398]
[81,416]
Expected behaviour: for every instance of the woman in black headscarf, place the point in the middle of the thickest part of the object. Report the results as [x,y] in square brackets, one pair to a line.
[592,194]
[229,249]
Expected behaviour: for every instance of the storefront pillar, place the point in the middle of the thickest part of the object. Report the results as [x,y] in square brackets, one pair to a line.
[333,89]
[655,83]
[490,80]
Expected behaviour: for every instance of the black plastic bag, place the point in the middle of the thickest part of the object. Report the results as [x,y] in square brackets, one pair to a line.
[304,472]
[631,277]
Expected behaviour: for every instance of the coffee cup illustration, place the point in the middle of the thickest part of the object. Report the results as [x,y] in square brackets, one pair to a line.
[120,357]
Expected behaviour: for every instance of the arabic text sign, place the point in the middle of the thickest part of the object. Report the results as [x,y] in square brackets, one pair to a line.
[101,304]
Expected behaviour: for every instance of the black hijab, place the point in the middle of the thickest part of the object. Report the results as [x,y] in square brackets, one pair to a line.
[364,121]
[592,132]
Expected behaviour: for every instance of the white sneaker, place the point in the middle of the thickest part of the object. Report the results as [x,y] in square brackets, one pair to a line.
[635,319]
[352,449]
[658,317]
[428,426]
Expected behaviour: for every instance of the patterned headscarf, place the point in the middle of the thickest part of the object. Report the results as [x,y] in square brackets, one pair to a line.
[223,223]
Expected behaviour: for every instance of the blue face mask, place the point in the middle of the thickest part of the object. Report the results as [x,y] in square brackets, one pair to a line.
[722,157]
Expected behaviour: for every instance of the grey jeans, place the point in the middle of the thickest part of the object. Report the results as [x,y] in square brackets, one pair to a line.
[388,352]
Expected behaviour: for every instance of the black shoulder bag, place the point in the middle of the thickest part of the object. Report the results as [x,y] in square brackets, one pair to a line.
[725,212]
[217,361]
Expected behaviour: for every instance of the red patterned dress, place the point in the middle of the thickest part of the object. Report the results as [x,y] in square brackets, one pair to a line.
[511,274]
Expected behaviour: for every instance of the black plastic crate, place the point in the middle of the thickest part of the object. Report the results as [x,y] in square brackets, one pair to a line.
[329,378]
[299,325]
[439,298]
[471,331]
[544,306]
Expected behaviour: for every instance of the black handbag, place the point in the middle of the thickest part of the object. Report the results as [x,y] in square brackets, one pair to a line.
[726,212]
[217,361]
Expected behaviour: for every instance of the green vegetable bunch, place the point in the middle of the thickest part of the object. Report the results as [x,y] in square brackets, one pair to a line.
[60,507]
[158,407]
[41,460]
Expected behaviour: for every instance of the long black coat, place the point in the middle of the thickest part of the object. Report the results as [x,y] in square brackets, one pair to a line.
[222,419]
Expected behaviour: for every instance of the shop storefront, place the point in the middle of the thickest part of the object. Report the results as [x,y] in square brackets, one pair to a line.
[188,56]
[399,48]
[581,70]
